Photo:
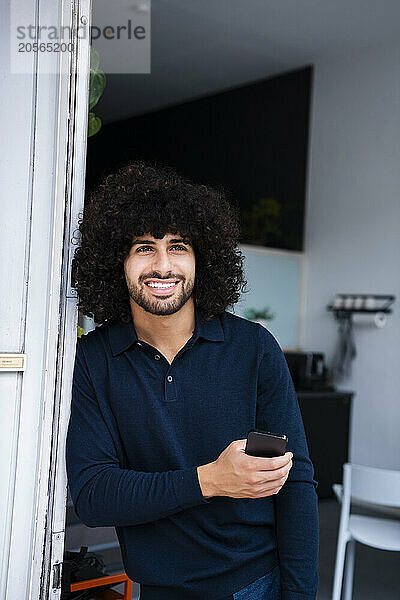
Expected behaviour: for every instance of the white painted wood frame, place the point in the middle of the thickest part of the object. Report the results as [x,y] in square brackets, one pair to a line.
[42,173]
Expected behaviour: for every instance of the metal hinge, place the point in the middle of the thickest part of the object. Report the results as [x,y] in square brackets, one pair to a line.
[57,576]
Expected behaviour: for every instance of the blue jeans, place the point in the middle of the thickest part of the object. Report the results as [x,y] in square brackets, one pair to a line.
[268,587]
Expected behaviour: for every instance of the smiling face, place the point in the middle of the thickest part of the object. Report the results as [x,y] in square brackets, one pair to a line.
[160,273]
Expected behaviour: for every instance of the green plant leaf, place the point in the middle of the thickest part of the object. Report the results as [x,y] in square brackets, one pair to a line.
[254,314]
[94,59]
[94,124]
[97,83]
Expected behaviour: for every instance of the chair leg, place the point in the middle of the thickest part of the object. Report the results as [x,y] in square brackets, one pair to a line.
[348,578]
[128,588]
[339,567]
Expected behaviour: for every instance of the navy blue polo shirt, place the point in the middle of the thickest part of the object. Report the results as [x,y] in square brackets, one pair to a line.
[139,428]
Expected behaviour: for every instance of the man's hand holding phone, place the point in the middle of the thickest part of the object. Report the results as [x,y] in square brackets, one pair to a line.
[239,475]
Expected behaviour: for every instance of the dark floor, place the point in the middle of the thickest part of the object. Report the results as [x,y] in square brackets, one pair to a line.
[376,576]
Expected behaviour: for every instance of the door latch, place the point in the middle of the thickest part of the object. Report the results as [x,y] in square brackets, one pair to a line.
[57,576]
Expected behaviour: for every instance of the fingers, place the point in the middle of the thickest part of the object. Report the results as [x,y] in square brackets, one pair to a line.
[247,476]
[272,486]
[264,480]
[241,444]
[274,478]
[268,489]
[271,464]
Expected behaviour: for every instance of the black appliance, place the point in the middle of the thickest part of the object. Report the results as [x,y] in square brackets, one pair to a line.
[308,371]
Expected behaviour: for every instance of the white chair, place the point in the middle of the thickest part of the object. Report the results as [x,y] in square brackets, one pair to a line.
[380,487]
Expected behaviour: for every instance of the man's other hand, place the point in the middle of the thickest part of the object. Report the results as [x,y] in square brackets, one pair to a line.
[239,475]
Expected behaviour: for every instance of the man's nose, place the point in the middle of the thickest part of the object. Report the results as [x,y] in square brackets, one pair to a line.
[162,261]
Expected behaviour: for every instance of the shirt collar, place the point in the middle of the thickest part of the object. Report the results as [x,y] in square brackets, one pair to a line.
[123,335]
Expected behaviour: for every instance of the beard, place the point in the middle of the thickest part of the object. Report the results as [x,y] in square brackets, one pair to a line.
[166,305]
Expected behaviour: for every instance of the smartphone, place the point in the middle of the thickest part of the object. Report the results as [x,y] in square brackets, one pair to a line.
[265,444]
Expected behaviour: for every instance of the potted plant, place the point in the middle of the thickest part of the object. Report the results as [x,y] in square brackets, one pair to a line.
[261,316]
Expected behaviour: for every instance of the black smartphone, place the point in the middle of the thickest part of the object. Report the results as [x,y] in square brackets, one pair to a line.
[265,444]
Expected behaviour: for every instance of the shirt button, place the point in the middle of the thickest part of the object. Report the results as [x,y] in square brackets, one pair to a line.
[157,356]
[169,378]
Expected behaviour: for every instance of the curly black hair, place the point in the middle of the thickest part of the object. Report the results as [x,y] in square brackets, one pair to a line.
[144,198]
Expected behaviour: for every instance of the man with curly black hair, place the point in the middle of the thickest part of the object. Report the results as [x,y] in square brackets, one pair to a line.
[165,390]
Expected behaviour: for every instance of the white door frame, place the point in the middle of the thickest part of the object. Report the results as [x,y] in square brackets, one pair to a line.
[45,329]
[72,180]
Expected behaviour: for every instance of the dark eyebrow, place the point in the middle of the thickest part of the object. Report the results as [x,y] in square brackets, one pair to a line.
[173,241]
[179,241]
[142,242]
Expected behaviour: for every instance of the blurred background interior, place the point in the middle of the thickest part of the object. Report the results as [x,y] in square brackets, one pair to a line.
[294,108]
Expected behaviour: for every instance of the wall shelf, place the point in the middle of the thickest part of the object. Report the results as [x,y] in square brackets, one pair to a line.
[358,310]
[346,305]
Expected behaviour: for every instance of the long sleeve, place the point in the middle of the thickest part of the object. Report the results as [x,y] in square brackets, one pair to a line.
[103,493]
[296,509]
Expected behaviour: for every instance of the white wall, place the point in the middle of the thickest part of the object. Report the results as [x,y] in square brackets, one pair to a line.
[353,234]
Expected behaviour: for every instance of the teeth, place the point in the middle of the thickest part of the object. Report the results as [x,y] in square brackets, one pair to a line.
[161,285]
